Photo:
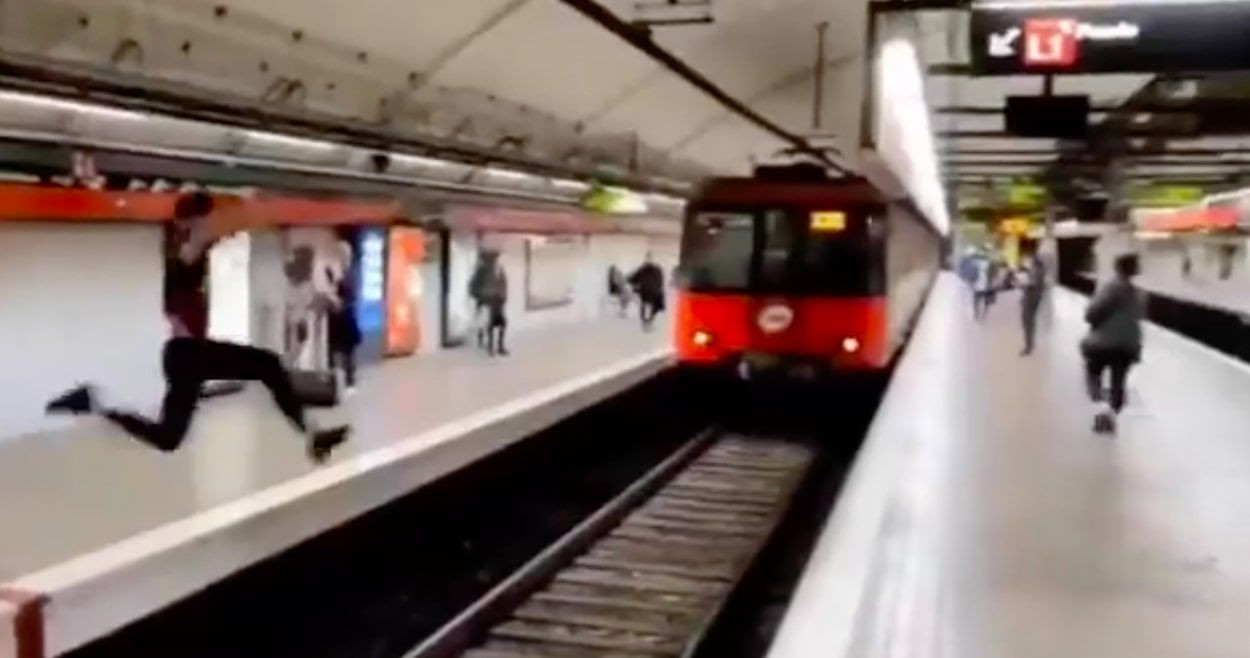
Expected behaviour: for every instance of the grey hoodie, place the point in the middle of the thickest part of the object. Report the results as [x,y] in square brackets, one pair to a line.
[1114,316]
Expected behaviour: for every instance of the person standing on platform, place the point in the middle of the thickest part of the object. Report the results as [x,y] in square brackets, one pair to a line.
[1113,343]
[1032,283]
[189,357]
[489,288]
[618,289]
[344,331]
[982,286]
[648,282]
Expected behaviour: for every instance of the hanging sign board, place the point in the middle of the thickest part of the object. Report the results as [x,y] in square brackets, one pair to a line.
[1026,195]
[1164,196]
[1064,37]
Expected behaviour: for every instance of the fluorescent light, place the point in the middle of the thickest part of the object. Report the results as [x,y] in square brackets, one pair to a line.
[289,140]
[1025,5]
[507,173]
[421,161]
[63,105]
[904,136]
[569,184]
[666,199]
[17,177]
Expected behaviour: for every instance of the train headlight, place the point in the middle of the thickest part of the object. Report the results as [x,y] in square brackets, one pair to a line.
[701,338]
[850,345]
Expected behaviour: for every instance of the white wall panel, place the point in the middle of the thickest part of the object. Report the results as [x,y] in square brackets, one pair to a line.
[78,303]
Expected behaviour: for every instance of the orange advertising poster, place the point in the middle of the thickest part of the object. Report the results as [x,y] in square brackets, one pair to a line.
[403,291]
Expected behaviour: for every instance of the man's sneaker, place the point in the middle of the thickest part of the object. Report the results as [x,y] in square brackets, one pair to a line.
[80,400]
[1104,422]
[323,442]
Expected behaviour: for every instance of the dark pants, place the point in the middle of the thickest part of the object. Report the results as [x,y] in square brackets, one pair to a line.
[981,301]
[1029,305]
[496,329]
[1118,362]
[344,357]
[188,363]
[648,307]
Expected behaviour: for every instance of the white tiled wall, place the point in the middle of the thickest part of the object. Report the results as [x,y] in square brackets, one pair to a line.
[78,303]
[590,277]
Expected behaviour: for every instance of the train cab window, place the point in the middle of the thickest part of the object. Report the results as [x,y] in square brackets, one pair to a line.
[717,248]
[847,261]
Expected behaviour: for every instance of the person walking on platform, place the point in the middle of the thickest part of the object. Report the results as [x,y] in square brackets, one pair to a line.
[1113,343]
[982,286]
[648,282]
[189,357]
[618,289]
[344,332]
[1031,279]
[489,288]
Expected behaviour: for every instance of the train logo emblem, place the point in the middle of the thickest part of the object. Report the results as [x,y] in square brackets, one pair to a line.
[775,318]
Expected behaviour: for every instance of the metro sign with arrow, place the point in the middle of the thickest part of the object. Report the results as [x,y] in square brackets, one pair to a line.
[1054,42]
[1146,36]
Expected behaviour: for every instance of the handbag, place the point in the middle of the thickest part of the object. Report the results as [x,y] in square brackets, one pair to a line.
[315,388]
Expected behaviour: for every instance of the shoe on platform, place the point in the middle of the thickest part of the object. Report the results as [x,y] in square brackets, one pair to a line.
[80,400]
[323,442]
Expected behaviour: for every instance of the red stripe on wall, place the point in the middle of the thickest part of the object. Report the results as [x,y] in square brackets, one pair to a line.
[28,626]
[60,204]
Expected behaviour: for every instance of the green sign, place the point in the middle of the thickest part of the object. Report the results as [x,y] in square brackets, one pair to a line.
[1026,195]
[613,201]
[1165,196]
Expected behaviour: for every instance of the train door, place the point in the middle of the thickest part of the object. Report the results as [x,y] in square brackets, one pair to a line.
[774,315]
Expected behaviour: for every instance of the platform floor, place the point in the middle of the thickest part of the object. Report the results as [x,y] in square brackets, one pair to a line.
[67,493]
[1010,529]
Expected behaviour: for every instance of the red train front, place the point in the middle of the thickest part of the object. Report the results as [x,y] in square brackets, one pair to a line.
[789,268]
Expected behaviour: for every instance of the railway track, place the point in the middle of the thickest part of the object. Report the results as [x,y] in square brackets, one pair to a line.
[647,574]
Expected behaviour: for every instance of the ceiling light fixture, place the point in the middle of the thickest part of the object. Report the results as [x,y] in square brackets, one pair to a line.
[507,173]
[421,161]
[570,184]
[64,105]
[279,139]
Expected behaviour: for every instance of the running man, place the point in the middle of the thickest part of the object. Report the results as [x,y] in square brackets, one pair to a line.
[189,357]
[1114,340]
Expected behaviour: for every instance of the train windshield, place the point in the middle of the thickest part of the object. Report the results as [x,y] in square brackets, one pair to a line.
[784,251]
[717,250]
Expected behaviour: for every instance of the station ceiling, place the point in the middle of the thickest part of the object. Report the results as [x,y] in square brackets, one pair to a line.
[542,81]
[1190,130]
[537,77]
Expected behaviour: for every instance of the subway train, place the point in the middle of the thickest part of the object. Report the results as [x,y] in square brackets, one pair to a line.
[791,272]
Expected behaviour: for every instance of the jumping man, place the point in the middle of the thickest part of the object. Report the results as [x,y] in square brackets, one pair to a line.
[189,357]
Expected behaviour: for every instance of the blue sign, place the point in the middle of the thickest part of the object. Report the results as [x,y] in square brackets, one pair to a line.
[371,282]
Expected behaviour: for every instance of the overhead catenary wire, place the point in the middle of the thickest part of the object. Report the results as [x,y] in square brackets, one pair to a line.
[641,39]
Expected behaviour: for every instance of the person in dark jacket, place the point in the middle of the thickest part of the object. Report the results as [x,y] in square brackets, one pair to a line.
[1031,280]
[489,289]
[344,332]
[1114,341]
[648,283]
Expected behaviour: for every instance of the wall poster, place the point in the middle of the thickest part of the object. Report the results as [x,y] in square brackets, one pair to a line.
[404,291]
[551,264]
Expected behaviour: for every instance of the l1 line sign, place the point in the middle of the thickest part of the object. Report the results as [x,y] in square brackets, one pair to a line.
[1065,36]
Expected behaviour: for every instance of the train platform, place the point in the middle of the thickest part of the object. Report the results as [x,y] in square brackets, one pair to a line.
[984,518]
[98,531]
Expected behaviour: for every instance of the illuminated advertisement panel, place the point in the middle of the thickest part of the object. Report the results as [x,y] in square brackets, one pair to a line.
[1063,36]
[403,291]
[371,290]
